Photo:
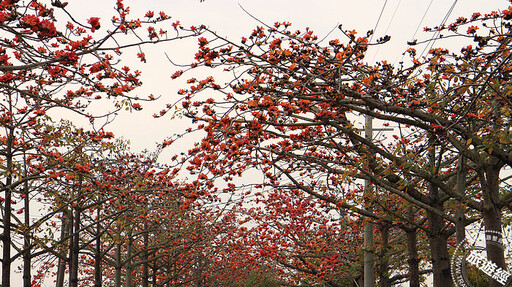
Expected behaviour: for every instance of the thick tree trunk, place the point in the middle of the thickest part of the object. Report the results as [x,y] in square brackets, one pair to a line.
[492,217]
[413,260]
[119,264]
[6,237]
[437,239]
[64,233]
[412,250]
[27,265]
[439,251]
[384,261]
[129,267]
[75,238]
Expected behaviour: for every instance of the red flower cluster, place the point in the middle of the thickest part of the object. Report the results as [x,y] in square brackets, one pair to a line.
[95,23]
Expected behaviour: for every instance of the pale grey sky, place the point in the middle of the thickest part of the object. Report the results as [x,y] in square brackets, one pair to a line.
[400,19]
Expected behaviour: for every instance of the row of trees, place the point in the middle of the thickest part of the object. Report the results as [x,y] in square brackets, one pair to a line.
[293,113]
[79,208]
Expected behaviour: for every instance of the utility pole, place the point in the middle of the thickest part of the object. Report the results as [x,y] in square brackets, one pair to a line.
[369,278]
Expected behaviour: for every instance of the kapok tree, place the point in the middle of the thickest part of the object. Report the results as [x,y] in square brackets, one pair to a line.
[297,135]
[291,111]
[50,63]
[152,239]
[69,191]
[111,216]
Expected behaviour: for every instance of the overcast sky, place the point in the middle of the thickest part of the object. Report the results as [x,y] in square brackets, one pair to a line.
[400,19]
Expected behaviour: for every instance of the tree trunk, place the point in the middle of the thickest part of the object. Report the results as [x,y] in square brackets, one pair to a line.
[64,232]
[119,264]
[129,268]
[438,240]
[97,256]
[492,217]
[27,265]
[460,224]
[74,251]
[412,249]
[439,251]
[384,261]
[75,238]
[145,259]
[6,237]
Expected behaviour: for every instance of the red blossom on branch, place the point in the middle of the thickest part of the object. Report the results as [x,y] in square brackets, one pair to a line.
[95,23]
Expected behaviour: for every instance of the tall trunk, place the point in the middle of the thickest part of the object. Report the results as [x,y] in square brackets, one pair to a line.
[460,224]
[412,250]
[490,183]
[27,265]
[119,264]
[6,237]
[492,217]
[439,251]
[75,238]
[384,261]
[97,256]
[64,233]
[75,249]
[145,258]
[129,267]
[437,239]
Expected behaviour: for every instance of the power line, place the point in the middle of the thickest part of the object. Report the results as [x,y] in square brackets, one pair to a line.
[378,20]
[421,21]
[392,17]
[436,34]
[334,28]
[387,28]
[418,27]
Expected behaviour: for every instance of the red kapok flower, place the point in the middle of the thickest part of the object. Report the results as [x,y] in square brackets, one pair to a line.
[31,20]
[472,29]
[95,23]
[47,28]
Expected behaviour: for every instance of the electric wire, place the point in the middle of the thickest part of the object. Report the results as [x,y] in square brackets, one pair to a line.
[393,17]
[418,27]
[337,25]
[378,20]
[436,33]
[387,28]
[421,21]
